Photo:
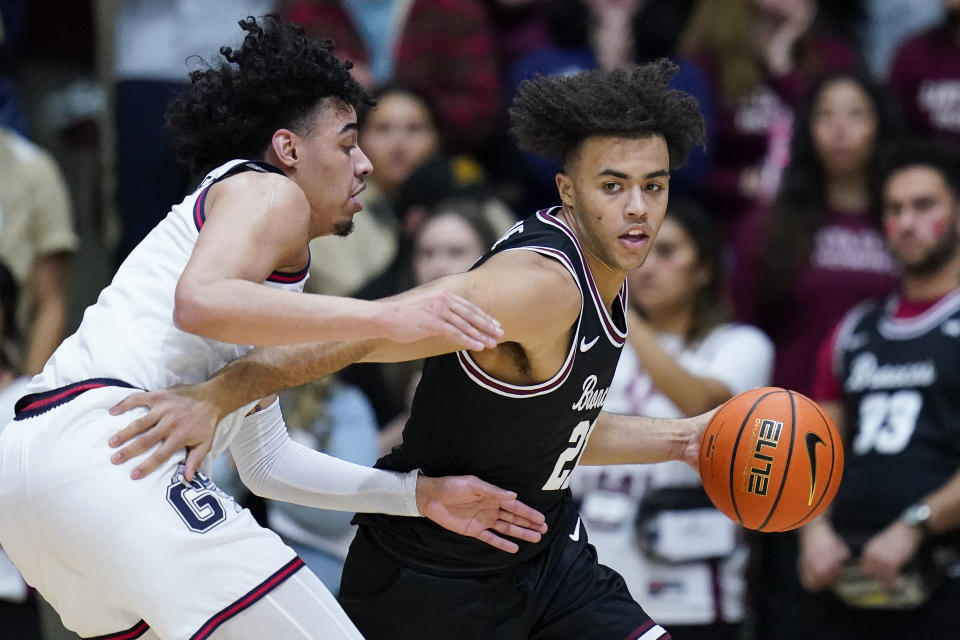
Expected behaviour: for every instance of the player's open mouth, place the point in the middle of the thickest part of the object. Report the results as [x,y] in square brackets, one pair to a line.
[634,237]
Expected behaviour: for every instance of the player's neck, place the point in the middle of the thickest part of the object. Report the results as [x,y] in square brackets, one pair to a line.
[609,280]
[931,286]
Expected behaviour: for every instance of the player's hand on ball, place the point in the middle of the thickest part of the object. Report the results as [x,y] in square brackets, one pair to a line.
[471,507]
[436,312]
[822,555]
[691,447]
[177,418]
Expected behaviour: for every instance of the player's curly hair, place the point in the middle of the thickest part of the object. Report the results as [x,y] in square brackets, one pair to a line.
[553,115]
[276,79]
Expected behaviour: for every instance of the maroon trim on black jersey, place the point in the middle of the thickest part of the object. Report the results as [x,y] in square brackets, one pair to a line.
[36,403]
[616,336]
[133,632]
[248,600]
[894,328]
[484,379]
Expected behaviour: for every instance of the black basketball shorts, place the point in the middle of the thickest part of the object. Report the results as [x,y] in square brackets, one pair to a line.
[562,593]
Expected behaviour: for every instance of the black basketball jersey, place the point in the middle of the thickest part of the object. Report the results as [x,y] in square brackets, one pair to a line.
[523,438]
[901,391]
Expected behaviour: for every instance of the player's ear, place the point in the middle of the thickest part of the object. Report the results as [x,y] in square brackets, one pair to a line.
[284,146]
[565,188]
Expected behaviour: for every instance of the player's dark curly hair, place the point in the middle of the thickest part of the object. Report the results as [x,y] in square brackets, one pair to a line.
[276,79]
[553,115]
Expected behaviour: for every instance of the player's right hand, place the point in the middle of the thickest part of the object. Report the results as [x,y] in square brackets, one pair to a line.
[177,418]
[437,312]
[822,555]
[471,507]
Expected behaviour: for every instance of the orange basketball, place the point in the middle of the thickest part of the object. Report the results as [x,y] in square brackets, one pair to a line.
[771,459]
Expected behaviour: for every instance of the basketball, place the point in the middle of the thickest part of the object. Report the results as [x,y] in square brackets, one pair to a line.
[771,459]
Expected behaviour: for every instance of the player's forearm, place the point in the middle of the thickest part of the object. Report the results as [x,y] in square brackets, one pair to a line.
[691,394]
[273,466]
[270,369]
[241,312]
[618,439]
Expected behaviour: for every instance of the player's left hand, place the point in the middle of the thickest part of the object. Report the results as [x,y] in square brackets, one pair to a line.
[177,418]
[471,507]
[887,552]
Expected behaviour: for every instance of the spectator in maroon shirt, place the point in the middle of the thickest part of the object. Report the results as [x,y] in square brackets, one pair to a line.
[801,264]
[760,57]
[817,251]
[442,48]
[925,78]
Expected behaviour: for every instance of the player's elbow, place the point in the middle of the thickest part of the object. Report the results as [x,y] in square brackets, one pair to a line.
[191,311]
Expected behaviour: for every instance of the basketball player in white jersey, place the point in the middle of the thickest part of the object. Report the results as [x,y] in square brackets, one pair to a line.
[173,557]
[525,414]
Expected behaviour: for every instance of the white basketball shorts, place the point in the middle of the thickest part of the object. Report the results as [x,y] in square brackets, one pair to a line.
[115,556]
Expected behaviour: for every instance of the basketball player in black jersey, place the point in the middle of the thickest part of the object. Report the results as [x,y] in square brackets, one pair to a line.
[524,414]
[889,550]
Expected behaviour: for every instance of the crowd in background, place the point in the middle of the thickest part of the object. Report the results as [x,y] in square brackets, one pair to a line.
[772,233]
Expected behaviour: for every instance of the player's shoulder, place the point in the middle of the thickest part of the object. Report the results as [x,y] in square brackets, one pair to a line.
[275,197]
[277,186]
[530,267]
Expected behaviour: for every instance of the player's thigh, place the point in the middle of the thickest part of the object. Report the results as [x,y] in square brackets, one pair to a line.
[300,608]
[388,601]
[579,598]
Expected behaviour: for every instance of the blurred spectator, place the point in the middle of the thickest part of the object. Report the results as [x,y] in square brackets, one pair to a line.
[519,26]
[925,78]
[653,523]
[449,239]
[818,251]
[444,49]
[889,552]
[36,240]
[801,265]
[760,57]
[152,44]
[398,135]
[19,618]
[607,34]
[888,23]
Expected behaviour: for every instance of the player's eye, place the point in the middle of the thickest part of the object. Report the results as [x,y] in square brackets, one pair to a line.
[611,186]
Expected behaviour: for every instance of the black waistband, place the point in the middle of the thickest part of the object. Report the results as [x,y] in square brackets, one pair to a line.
[36,403]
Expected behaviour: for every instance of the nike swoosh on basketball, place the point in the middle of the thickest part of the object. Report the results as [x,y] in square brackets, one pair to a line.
[575,536]
[585,346]
[812,441]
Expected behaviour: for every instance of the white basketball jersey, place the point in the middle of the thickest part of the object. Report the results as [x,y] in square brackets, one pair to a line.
[129,334]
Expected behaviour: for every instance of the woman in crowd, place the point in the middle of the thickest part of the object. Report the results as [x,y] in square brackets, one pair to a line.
[653,523]
[818,248]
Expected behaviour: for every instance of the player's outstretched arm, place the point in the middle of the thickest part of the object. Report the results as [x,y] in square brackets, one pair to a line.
[620,439]
[187,416]
[258,223]
[273,466]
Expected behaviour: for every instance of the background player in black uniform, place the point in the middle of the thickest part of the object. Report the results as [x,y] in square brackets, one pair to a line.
[889,550]
[521,414]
